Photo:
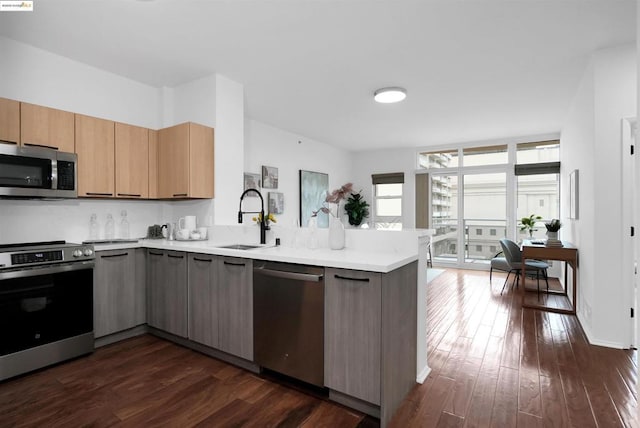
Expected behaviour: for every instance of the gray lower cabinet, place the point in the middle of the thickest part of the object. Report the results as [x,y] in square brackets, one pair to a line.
[370,335]
[167,291]
[235,306]
[203,299]
[116,293]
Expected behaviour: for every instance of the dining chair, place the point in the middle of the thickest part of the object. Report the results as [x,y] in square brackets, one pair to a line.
[513,256]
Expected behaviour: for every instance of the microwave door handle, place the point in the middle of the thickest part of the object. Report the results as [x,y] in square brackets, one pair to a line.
[54,174]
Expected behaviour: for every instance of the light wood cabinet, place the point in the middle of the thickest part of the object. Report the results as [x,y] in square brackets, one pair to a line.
[95,150]
[114,295]
[370,336]
[46,127]
[203,299]
[235,306]
[167,291]
[186,161]
[9,121]
[153,164]
[131,161]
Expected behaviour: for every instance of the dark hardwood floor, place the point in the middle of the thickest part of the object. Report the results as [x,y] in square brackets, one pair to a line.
[493,364]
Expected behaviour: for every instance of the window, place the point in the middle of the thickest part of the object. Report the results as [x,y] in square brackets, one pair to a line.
[492,232]
[388,200]
[479,248]
[541,202]
[440,159]
[491,155]
[478,232]
[492,248]
[538,152]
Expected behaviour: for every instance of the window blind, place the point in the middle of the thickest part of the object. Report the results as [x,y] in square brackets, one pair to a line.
[389,178]
[538,168]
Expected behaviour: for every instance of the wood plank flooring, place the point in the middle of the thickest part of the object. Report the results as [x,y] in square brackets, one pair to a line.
[497,365]
[493,364]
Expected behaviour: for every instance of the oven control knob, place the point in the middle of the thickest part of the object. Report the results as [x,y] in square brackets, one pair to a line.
[88,251]
[77,253]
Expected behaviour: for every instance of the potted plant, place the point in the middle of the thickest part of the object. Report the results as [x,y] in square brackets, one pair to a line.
[529,224]
[553,227]
[357,209]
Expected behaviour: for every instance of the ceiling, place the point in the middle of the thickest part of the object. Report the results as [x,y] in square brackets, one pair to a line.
[474,70]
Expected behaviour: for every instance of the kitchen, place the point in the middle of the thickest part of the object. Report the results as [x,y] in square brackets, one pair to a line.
[131,102]
[213,100]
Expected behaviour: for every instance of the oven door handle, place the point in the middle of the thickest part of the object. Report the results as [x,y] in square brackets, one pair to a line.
[47,270]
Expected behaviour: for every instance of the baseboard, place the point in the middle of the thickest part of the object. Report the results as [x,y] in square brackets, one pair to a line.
[594,341]
[121,335]
[422,376]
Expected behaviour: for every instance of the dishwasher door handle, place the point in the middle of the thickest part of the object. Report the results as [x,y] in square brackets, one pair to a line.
[290,275]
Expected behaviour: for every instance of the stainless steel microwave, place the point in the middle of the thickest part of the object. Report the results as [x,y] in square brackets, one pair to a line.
[33,172]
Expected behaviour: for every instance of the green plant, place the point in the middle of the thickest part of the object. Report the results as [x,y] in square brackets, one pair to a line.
[357,209]
[529,223]
[554,225]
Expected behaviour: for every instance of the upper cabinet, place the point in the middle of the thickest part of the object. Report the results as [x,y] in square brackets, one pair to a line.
[131,161]
[153,164]
[9,121]
[95,148]
[185,161]
[46,127]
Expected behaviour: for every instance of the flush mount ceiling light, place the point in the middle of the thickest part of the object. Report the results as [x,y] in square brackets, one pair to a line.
[390,95]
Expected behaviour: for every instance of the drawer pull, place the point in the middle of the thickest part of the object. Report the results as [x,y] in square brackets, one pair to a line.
[173,256]
[133,195]
[40,145]
[179,194]
[108,256]
[352,279]
[99,194]
[202,260]
[233,263]
[155,254]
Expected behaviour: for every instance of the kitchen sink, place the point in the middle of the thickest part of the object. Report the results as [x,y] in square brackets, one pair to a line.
[240,247]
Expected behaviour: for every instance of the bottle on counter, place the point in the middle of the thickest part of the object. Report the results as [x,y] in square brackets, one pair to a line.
[94,228]
[124,225]
[109,228]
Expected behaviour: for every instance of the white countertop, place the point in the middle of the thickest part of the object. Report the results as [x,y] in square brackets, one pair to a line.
[374,261]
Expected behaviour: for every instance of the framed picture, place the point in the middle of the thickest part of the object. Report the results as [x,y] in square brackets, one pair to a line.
[313,190]
[269,177]
[574,189]
[276,202]
[251,181]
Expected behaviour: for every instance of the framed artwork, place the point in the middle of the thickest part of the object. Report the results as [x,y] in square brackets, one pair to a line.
[251,181]
[269,177]
[276,202]
[313,190]
[574,189]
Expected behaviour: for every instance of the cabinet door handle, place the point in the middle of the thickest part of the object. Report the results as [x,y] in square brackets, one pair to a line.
[40,145]
[202,260]
[155,254]
[9,142]
[134,195]
[351,279]
[99,194]
[175,257]
[233,263]
[179,194]
[107,256]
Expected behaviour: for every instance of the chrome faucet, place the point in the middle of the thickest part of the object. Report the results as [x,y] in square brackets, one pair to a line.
[263,221]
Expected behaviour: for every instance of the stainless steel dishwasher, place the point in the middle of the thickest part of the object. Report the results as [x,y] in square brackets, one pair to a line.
[288,319]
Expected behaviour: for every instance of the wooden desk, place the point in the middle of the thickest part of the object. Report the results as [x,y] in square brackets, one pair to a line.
[568,253]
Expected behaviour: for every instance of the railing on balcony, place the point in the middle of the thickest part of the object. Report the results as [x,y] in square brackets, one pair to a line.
[481,238]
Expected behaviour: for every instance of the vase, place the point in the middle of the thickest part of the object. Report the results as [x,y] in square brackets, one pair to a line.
[552,235]
[336,233]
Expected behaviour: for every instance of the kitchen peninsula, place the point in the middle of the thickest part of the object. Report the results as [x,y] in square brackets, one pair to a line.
[370,310]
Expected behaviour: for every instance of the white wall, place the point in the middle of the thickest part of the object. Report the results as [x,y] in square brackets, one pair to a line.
[269,146]
[383,161]
[36,76]
[591,143]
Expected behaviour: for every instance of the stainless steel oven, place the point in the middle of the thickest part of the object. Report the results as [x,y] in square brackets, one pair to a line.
[46,305]
[37,173]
